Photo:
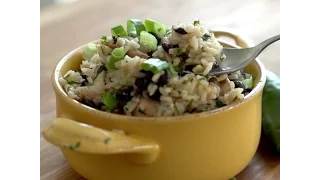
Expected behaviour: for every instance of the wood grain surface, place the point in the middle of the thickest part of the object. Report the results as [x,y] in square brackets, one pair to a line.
[68,26]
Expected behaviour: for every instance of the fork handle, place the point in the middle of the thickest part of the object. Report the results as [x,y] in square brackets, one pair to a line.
[267,42]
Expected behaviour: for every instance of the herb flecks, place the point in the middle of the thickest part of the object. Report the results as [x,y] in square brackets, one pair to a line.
[206,36]
[104,38]
[107,140]
[220,104]
[196,23]
[73,147]
[179,52]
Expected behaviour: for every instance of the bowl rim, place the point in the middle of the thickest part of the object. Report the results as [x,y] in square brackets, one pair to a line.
[59,91]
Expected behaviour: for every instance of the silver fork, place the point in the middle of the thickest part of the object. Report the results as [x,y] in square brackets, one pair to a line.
[237,59]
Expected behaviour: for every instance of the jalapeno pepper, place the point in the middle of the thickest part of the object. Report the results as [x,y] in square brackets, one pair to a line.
[271,109]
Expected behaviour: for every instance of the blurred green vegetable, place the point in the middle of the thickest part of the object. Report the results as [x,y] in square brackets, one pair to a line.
[271,109]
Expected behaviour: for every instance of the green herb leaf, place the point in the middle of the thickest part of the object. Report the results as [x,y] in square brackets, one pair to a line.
[106,140]
[178,69]
[219,104]
[206,36]
[104,38]
[196,23]
[179,52]
[73,147]
[77,144]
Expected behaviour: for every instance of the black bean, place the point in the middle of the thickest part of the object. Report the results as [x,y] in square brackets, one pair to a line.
[183,73]
[166,46]
[156,95]
[114,38]
[163,80]
[180,31]
[123,94]
[142,84]
[148,75]
[157,37]
[189,67]
[247,90]
[239,84]
[150,53]
[85,79]
[89,102]
[175,46]
[183,56]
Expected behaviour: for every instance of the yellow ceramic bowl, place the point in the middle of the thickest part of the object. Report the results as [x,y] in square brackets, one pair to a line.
[213,145]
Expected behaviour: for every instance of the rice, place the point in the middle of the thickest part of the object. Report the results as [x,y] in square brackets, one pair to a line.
[179,82]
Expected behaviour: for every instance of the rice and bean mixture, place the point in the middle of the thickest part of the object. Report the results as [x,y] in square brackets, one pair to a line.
[148,69]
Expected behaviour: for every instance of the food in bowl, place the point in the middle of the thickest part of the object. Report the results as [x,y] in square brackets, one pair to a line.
[148,69]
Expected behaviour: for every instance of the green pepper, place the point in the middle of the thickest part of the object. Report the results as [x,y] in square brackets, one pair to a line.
[271,109]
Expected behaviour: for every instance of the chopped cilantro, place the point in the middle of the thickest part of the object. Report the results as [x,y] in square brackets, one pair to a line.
[107,139]
[206,36]
[196,23]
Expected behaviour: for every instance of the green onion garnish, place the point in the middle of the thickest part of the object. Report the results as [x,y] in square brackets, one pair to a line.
[155,27]
[172,70]
[248,83]
[89,50]
[148,41]
[109,100]
[119,31]
[135,26]
[179,52]
[116,55]
[154,65]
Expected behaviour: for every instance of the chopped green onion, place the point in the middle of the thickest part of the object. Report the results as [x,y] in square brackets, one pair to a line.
[179,52]
[154,65]
[116,55]
[135,26]
[248,83]
[89,50]
[119,31]
[148,41]
[155,27]
[109,100]
[171,70]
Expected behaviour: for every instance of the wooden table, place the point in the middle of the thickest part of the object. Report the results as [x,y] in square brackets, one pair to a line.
[68,26]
